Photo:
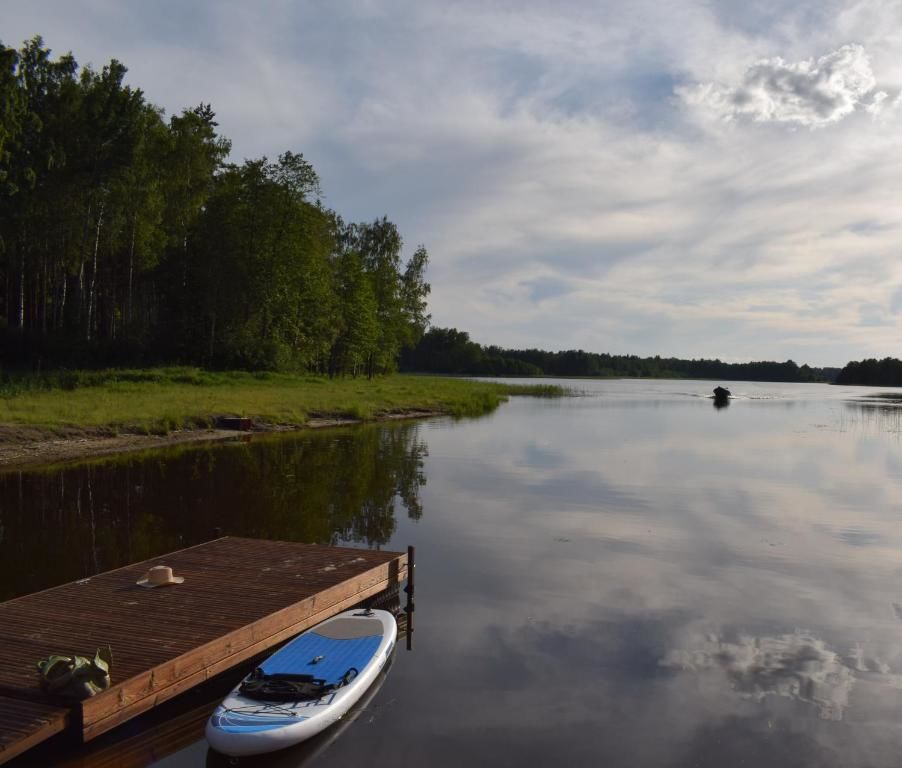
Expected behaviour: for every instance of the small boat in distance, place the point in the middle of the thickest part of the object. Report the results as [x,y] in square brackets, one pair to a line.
[721,395]
[304,687]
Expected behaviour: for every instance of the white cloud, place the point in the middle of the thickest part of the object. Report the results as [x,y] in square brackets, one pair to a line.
[811,93]
[877,103]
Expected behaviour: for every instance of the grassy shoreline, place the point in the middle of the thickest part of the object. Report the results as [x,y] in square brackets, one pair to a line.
[160,400]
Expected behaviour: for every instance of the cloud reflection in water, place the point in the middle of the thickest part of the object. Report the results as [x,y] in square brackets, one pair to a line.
[797,666]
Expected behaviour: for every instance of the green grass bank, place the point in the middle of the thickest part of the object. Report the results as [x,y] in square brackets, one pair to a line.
[159,400]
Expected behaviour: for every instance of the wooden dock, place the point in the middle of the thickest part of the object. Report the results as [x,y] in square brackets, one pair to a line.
[240,598]
[26,724]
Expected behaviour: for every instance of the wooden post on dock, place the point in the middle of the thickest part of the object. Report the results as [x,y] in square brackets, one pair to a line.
[409,590]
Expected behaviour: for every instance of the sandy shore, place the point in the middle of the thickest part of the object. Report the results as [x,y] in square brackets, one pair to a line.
[32,446]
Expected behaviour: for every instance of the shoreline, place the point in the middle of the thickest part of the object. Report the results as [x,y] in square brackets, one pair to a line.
[25,447]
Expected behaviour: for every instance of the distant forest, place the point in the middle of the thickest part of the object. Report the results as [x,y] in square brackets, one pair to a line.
[872,373]
[448,350]
[127,238]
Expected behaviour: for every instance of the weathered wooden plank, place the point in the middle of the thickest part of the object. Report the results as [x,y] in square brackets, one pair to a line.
[26,724]
[138,750]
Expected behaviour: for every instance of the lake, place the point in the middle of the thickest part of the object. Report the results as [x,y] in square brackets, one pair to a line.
[631,576]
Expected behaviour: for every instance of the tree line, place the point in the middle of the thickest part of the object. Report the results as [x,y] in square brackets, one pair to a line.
[448,350]
[127,237]
[872,373]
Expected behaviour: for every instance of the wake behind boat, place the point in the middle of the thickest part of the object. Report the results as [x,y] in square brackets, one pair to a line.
[306,686]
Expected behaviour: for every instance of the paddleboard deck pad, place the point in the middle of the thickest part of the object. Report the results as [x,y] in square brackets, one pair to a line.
[306,686]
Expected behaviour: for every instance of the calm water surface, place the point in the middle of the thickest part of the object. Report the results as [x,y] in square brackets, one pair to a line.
[631,577]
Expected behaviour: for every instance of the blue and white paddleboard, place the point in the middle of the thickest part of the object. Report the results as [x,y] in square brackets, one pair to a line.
[306,686]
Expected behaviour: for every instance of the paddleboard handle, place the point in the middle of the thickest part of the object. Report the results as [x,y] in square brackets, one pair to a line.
[349,675]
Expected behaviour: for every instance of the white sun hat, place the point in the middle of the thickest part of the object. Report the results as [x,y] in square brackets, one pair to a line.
[159,576]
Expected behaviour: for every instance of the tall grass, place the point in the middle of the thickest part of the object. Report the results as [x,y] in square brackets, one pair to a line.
[15,384]
[163,399]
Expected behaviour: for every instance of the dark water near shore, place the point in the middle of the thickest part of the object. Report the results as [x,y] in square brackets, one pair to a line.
[629,577]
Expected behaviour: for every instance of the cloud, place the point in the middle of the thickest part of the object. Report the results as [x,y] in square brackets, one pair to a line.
[542,288]
[896,301]
[796,666]
[811,93]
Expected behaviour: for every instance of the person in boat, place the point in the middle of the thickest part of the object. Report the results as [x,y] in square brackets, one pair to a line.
[721,393]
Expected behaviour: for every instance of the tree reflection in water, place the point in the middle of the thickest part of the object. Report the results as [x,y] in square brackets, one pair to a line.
[336,487]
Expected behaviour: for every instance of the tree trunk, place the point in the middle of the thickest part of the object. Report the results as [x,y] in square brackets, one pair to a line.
[212,338]
[80,298]
[92,290]
[61,312]
[44,301]
[131,271]
[21,307]
[7,295]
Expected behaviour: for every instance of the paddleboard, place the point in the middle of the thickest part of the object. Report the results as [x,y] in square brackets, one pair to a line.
[309,751]
[304,687]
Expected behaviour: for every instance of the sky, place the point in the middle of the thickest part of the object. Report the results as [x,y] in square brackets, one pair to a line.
[697,179]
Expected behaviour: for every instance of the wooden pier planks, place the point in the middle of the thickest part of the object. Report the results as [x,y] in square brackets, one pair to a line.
[26,724]
[240,598]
